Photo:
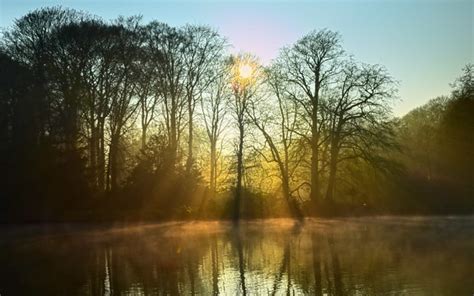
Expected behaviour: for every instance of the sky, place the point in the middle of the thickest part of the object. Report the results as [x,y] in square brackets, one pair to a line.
[424,44]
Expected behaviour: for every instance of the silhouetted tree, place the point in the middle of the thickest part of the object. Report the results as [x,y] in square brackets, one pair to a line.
[244,76]
[148,87]
[359,122]
[214,103]
[276,118]
[311,64]
[123,105]
[203,54]
[29,43]
[167,47]
[457,132]
[90,107]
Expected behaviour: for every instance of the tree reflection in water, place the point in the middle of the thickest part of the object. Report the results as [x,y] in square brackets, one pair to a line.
[321,257]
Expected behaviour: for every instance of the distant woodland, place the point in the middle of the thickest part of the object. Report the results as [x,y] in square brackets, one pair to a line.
[129,121]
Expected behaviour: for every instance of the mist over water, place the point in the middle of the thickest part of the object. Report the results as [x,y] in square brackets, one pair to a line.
[365,256]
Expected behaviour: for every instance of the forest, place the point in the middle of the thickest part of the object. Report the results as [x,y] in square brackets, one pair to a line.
[129,121]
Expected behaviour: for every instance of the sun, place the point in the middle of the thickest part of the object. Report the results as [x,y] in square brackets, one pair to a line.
[245,71]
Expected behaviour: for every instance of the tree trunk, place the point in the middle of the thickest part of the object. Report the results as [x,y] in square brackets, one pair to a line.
[144,130]
[113,163]
[332,171]
[238,189]
[101,156]
[173,135]
[70,114]
[293,206]
[213,168]
[93,154]
[314,144]
[314,162]
[189,161]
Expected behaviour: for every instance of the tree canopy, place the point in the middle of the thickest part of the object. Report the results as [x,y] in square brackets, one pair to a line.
[126,120]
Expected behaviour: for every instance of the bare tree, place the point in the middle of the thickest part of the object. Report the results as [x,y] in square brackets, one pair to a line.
[213,106]
[29,42]
[311,65]
[148,89]
[203,53]
[245,73]
[123,105]
[69,56]
[358,112]
[276,117]
[167,48]
[101,86]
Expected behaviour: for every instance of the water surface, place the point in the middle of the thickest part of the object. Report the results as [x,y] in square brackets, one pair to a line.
[364,256]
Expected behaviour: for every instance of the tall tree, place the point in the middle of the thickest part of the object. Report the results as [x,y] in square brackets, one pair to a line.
[29,42]
[214,108]
[167,48]
[245,74]
[102,84]
[418,134]
[311,65]
[203,53]
[276,117]
[72,49]
[123,105]
[148,88]
[359,112]
[457,132]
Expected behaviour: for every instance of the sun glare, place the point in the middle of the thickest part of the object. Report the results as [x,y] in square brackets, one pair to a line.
[245,71]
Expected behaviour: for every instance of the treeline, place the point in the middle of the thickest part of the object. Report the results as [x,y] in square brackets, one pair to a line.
[438,151]
[125,120]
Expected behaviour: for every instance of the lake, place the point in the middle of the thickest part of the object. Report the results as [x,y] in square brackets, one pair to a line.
[357,256]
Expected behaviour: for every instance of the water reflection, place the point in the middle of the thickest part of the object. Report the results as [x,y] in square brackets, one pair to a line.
[322,257]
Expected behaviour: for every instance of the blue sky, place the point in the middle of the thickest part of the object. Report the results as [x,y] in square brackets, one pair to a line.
[423,44]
